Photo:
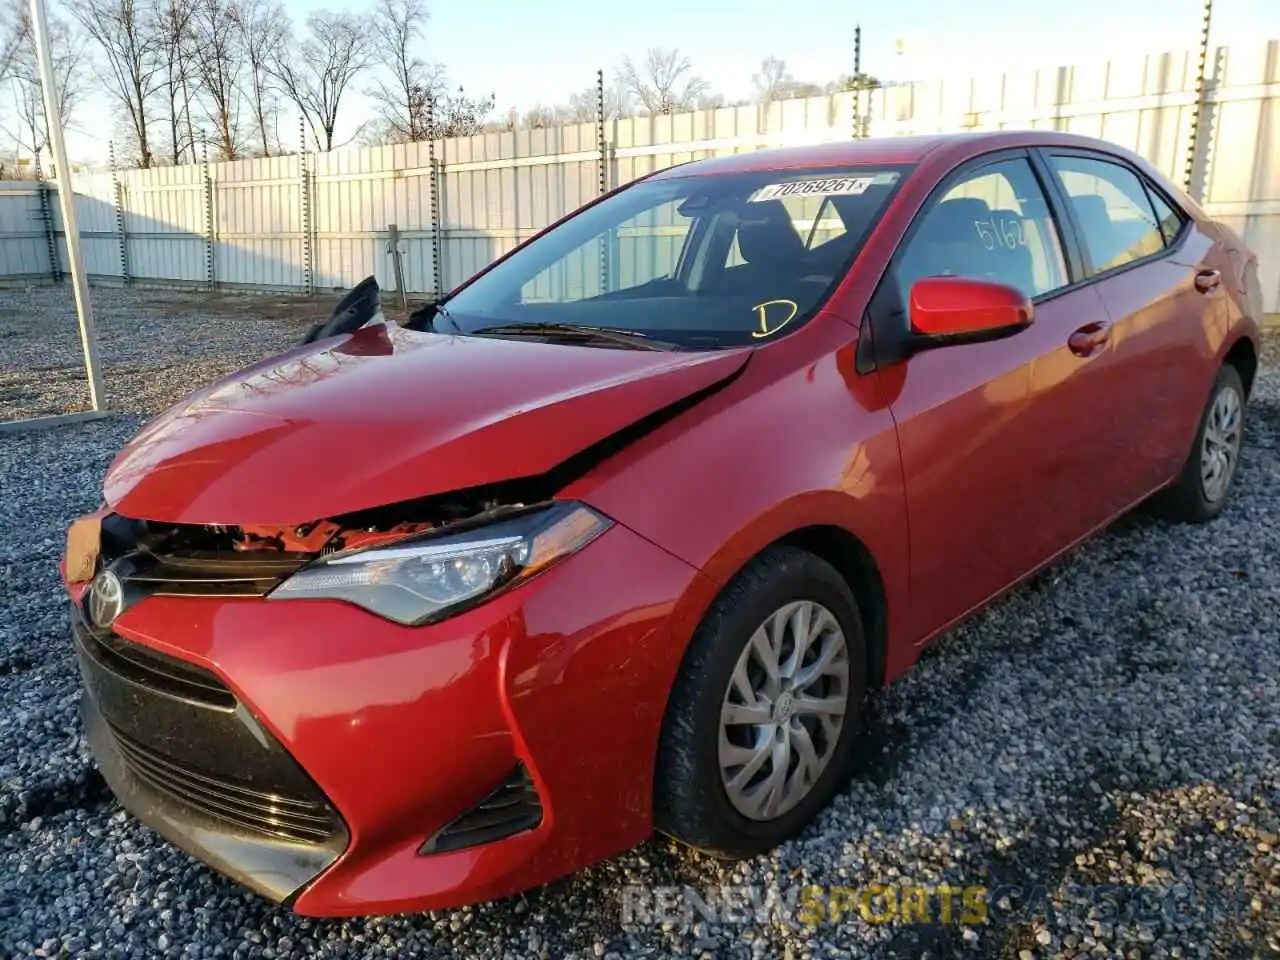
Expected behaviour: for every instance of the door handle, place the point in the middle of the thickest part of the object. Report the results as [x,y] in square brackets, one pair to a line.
[1208,280]
[1089,339]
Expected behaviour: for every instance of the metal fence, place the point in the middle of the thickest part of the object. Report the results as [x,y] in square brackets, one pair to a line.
[320,221]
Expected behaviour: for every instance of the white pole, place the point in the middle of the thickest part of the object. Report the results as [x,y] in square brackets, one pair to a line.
[67,199]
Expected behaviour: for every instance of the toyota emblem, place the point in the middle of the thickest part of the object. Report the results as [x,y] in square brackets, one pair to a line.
[106,599]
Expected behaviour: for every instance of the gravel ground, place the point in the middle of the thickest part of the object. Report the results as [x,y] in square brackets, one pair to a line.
[1101,750]
[153,346]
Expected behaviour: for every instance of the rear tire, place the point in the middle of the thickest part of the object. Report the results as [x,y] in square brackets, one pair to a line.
[1204,485]
[729,711]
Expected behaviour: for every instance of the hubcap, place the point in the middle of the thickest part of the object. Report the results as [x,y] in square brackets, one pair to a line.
[1221,449]
[783,710]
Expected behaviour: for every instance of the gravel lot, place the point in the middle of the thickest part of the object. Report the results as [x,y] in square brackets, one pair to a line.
[1101,749]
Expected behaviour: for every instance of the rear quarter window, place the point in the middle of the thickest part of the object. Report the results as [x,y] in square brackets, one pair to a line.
[1171,219]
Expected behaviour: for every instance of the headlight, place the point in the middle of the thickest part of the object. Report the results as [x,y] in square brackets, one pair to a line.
[428,577]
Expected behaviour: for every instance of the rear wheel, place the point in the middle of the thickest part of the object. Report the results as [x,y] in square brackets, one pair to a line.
[1202,489]
[758,729]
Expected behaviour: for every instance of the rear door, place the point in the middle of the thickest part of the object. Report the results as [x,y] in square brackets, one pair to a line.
[983,429]
[1161,281]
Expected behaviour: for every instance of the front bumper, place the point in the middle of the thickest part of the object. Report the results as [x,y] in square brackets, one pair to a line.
[205,776]
[394,732]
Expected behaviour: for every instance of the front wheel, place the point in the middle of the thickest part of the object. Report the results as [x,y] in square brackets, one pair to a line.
[758,731]
[1202,489]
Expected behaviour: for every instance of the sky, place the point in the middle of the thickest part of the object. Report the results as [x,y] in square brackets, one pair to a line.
[528,52]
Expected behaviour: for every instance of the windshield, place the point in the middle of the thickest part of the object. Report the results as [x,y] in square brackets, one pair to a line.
[699,262]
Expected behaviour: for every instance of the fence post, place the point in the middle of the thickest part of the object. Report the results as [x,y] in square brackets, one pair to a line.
[117,191]
[1207,141]
[308,276]
[1194,152]
[50,228]
[397,266]
[602,146]
[515,180]
[433,192]
[207,187]
[857,73]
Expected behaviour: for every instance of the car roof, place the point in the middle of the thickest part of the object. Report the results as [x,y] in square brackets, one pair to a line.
[885,151]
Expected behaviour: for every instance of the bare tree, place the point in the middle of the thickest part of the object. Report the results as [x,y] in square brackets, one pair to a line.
[583,104]
[316,76]
[410,82]
[772,81]
[12,30]
[219,61]
[66,58]
[664,83]
[126,32]
[458,115]
[540,116]
[855,81]
[803,88]
[177,74]
[263,27]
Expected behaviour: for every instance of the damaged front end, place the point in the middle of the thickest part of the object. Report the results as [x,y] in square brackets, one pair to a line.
[410,563]
[186,751]
[402,540]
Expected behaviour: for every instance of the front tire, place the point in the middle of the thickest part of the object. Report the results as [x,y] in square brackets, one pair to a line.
[758,731]
[1204,485]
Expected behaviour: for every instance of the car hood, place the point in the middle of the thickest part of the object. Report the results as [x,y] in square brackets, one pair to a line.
[385,415]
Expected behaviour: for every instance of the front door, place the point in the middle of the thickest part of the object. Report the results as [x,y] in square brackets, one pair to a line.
[984,428]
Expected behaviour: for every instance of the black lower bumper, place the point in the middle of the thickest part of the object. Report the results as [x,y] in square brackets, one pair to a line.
[193,764]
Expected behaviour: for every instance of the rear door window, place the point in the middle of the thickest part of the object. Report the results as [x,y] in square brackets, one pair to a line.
[1112,209]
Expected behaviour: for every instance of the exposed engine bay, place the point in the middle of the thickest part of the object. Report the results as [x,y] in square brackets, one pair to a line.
[171,559]
[366,529]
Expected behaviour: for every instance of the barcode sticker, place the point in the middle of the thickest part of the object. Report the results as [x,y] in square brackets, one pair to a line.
[830,187]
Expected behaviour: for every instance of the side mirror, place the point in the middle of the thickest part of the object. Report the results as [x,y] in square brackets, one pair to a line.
[357,307]
[949,310]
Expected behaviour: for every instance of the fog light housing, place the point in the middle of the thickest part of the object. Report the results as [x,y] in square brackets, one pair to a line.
[510,809]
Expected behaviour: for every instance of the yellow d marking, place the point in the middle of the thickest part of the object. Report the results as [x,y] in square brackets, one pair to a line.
[762,311]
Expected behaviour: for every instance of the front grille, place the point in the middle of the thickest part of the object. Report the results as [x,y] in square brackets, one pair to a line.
[208,574]
[513,807]
[270,814]
[153,669]
[189,560]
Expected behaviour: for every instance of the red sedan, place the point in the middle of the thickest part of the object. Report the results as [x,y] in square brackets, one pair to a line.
[618,535]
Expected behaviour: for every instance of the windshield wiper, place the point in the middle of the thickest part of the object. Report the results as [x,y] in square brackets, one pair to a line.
[424,318]
[443,311]
[578,331]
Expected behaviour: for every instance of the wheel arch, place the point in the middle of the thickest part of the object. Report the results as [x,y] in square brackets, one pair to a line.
[857,567]
[853,562]
[1243,355]
[850,554]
